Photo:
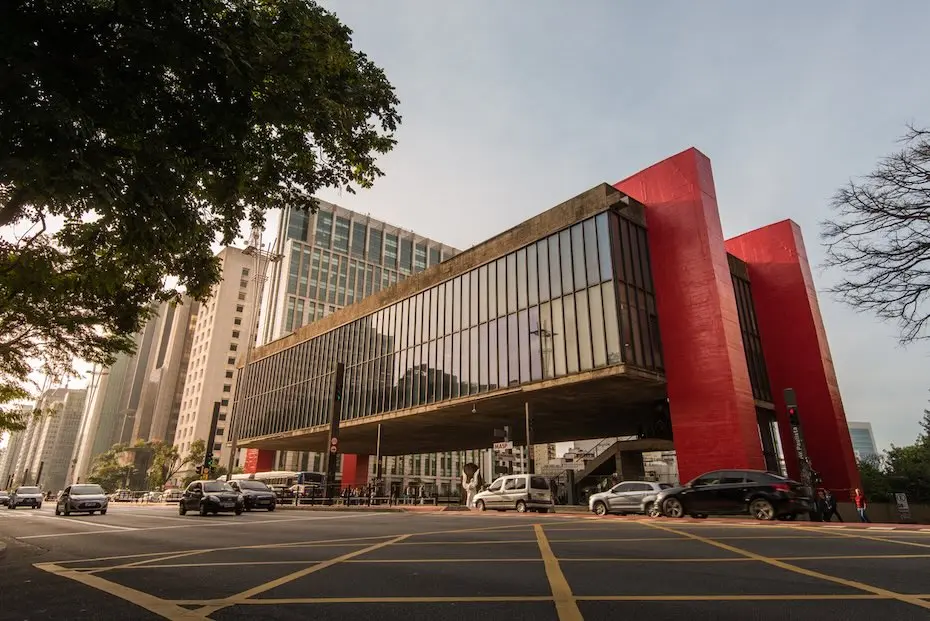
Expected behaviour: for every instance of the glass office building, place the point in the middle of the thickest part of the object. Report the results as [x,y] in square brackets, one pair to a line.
[574,300]
[333,258]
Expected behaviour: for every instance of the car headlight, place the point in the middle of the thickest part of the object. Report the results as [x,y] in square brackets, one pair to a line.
[213,498]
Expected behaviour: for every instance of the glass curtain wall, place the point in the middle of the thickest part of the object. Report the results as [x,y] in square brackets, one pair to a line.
[573,301]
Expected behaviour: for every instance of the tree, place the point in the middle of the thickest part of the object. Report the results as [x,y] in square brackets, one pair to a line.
[106,469]
[880,238]
[166,463]
[153,130]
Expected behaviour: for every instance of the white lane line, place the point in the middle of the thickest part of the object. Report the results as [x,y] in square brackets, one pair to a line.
[880,528]
[203,524]
[71,520]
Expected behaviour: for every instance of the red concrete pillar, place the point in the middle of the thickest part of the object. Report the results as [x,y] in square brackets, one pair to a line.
[797,355]
[710,397]
[354,470]
[258,460]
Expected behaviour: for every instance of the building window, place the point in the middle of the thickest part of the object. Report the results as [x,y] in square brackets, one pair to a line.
[239,308]
[374,246]
[242,295]
[227,387]
[224,402]
[406,255]
[433,256]
[298,222]
[233,346]
[245,272]
[243,284]
[324,229]
[341,235]
[359,234]
[219,431]
[235,334]
[390,251]
[231,360]
[229,374]
[221,417]
[237,321]
[218,446]
[419,258]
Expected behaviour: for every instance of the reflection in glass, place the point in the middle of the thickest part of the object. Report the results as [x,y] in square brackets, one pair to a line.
[433,299]
[571,333]
[524,332]
[558,338]
[598,339]
[493,355]
[456,363]
[536,340]
[542,257]
[473,315]
[483,367]
[546,339]
[565,259]
[473,359]
[611,324]
[502,364]
[521,279]
[456,304]
[532,278]
[464,375]
[511,283]
[492,290]
[555,271]
[466,299]
[513,349]
[483,293]
[501,288]
[590,251]
[585,354]
[578,257]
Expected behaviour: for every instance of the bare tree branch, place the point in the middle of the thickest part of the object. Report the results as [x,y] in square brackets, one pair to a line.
[880,238]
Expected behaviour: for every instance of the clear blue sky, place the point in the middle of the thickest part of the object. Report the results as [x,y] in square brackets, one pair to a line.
[511,107]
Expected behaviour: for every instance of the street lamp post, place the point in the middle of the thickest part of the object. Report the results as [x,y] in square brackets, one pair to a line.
[262,258]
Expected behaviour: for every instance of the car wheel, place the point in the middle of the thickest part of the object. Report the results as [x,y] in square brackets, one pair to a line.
[67,511]
[38,506]
[203,509]
[182,510]
[11,506]
[103,512]
[480,506]
[762,509]
[57,510]
[238,510]
[521,506]
[600,508]
[673,508]
[650,509]
[271,507]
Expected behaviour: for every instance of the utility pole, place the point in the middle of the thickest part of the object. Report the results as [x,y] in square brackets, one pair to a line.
[262,258]
[332,444]
[208,461]
[529,439]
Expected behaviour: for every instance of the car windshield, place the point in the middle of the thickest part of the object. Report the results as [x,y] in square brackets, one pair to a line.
[28,490]
[665,486]
[216,486]
[86,490]
[254,485]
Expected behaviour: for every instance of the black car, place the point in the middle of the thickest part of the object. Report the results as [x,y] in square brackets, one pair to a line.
[210,497]
[255,494]
[763,495]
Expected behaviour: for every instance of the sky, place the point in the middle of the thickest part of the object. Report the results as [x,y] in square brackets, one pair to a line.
[513,107]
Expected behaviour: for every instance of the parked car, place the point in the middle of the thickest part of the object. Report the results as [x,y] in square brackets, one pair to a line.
[172,495]
[523,492]
[763,495]
[121,495]
[4,497]
[26,496]
[255,494]
[627,497]
[84,498]
[283,492]
[210,497]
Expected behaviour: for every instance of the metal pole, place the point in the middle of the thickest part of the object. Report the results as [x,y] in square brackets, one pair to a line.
[39,473]
[378,455]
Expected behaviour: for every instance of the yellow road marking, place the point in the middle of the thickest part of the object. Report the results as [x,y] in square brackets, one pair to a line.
[910,599]
[149,602]
[565,604]
[874,538]
[272,584]
[515,599]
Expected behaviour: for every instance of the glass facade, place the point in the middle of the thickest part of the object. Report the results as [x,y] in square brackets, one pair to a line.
[749,330]
[576,300]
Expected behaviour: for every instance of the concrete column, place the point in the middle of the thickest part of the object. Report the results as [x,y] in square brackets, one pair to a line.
[630,466]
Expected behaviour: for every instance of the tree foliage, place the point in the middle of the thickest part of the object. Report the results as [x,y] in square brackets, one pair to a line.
[107,471]
[152,130]
[903,469]
[166,464]
[880,238]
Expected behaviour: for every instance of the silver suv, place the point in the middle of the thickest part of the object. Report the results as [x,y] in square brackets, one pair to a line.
[523,492]
[627,497]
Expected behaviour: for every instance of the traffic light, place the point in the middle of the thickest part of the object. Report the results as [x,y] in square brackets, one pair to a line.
[793,415]
[338,382]
[198,469]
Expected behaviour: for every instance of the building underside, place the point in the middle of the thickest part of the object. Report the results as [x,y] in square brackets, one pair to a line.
[614,401]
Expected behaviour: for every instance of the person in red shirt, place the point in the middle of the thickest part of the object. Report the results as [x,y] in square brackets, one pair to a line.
[861,506]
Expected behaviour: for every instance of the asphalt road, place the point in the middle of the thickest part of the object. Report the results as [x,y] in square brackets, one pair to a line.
[146,562]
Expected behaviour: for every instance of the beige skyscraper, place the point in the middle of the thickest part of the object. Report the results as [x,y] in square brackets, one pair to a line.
[218,337]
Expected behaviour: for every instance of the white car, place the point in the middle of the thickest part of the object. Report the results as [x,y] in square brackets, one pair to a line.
[627,497]
[26,496]
[83,498]
[523,492]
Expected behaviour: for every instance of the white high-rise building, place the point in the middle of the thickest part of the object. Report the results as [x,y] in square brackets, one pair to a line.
[218,336]
[863,440]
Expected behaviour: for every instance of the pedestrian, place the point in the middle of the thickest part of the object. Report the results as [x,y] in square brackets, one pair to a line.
[829,503]
[819,508]
[861,506]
